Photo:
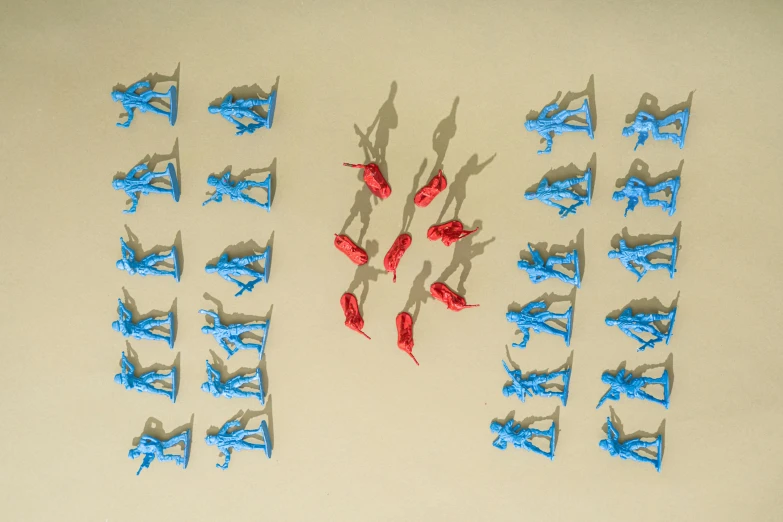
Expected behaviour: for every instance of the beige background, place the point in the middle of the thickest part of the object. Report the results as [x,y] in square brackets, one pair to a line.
[360,432]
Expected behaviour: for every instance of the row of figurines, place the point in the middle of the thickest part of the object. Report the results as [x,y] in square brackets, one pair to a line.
[230,438]
[521,437]
[247,116]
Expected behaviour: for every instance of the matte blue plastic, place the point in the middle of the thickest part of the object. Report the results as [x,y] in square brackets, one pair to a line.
[231,269]
[539,271]
[147,266]
[624,383]
[234,191]
[550,194]
[232,388]
[550,125]
[519,437]
[637,190]
[233,111]
[644,323]
[534,383]
[143,329]
[628,449]
[645,124]
[134,185]
[139,96]
[527,320]
[235,440]
[145,383]
[631,258]
[228,335]
[150,448]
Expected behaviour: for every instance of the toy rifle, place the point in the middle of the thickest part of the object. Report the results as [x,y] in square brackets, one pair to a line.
[247,286]
[148,458]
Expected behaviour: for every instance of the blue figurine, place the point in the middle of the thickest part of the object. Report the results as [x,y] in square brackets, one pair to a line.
[631,258]
[646,124]
[135,186]
[628,449]
[234,191]
[132,100]
[229,335]
[231,269]
[550,194]
[235,441]
[548,126]
[519,437]
[533,384]
[539,271]
[143,329]
[637,190]
[644,323]
[527,320]
[624,383]
[146,266]
[233,111]
[145,383]
[152,448]
[232,388]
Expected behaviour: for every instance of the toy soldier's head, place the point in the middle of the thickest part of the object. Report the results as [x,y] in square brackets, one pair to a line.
[529,124]
[608,446]
[211,440]
[628,131]
[607,378]
[116,326]
[119,378]
[207,387]
[117,184]
[213,181]
[121,264]
[508,391]
[206,329]
[116,95]
[495,427]
[214,110]
[618,196]
[513,317]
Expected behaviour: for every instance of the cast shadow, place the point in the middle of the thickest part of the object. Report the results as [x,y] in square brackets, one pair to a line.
[648,239]
[559,250]
[133,358]
[154,428]
[456,191]
[443,134]
[135,245]
[365,274]
[221,366]
[649,104]
[637,434]
[570,171]
[271,170]
[419,294]
[640,169]
[465,251]
[570,97]
[130,304]
[646,306]
[385,121]
[639,371]
[569,363]
[249,92]
[410,207]
[238,318]
[245,416]
[154,79]
[362,209]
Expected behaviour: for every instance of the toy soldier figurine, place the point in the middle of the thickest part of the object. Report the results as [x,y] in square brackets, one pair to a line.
[519,437]
[637,190]
[143,329]
[644,323]
[631,258]
[624,383]
[527,320]
[145,383]
[550,194]
[142,185]
[233,111]
[235,441]
[234,191]
[231,269]
[232,388]
[229,335]
[152,448]
[146,266]
[539,271]
[533,384]
[628,449]
[646,124]
[550,125]
[132,100]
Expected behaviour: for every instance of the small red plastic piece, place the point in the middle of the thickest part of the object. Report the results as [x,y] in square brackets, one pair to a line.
[374,179]
[353,318]
[394,255]
[354,252]
[405,334]
[428,192]
[447,296]
[449,232]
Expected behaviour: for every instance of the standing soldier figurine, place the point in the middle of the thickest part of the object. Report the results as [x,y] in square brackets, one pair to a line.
[235,191]
[637,190]
[143,329]
[232,388]
[145,383]
[551,193]
[628,449]
[550,125]
[631,258]
[151,448]
[526,320]
[233,111]
[229,335]
[644,323]
[519,437]
[132,100]
[539,271]
[231,269]
[645,124]
[135,186]
[147,266]
[534,383]
[235,441]
[624,383]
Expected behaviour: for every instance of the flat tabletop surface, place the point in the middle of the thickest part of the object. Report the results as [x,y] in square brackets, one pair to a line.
[358,431]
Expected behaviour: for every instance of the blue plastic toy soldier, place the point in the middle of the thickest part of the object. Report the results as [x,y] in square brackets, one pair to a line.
[519,437]
[644,323]
[631,258]
[235,440]
[231,269]
[232,388]
[143,329]
[151,448]
[146,383]
[624,383]
[534,383]
[234,111]
[550,125]
[234,191]
[527,320]
[135,186]
[629,448]
[132,100]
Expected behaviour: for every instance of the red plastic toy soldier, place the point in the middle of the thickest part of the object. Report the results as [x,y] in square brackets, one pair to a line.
[353,318]
[354,252]
[374,179]
[395,253]
[428,192]
[405,334]
[447,296]
[449,232]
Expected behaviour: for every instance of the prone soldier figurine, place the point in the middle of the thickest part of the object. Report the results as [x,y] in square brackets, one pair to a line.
[135,186]
[533,384]
[233,111]
[624,383]
[551,193]
[519,437]
[526,320]
[631,258]
[551,123]
[143,329]
[229,335]
[628,449]
[539,271]
[150,448]
[231,269]
[637,190]
[645,124]
[145,383]
[235,440]
[644,323]
[132,100]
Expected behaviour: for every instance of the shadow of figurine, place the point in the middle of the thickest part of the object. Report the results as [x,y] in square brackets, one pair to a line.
[365,274]
[443,134]
[362,208]
[570,97]
[419,293]
[647,306]
[649,103]
[154,79]
[638,434]
[456,192]
[546,251]
[248,92]
[465,251]
[271,170]
[385,121]
[154,428]
[640,169]
[410,207]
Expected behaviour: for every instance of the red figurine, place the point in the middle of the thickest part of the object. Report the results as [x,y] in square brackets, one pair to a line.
[449,232]
[353,318]
[405,334]
[354,252]
[374,179]
[394,255]
[428,192]
[447,296]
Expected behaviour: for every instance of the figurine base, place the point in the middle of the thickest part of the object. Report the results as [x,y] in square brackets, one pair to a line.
[270,112]
[267,185]
[170,320]
[175,188]
[175,261]
[685,117]
[589,183]
[267,441]
[665,384]
[568,326]
[174,385]
[188,440]
[566,382]
[577,273]
[173,99]
[261,351]
[552,442]
[673,264]
[588,119]
[659,455]
[267,263]
[671,326]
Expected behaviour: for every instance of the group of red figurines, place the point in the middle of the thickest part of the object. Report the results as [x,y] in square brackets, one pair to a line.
[449,233]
